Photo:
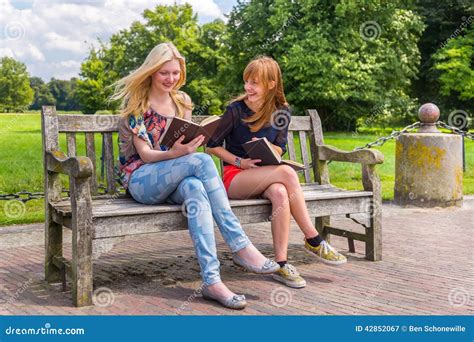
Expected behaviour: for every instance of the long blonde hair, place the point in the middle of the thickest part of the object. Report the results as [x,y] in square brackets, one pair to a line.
[133,89]
[265,69]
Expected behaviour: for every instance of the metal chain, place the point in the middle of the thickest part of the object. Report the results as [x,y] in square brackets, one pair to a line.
[455,130]
[395,134]
[25,196]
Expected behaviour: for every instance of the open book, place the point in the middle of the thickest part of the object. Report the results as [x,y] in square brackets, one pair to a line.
[177,127]
[263,150]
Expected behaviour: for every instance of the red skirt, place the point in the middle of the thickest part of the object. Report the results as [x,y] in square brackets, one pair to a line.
[230,171]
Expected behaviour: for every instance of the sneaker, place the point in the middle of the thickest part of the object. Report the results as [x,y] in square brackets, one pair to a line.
[325,253]
[289,276]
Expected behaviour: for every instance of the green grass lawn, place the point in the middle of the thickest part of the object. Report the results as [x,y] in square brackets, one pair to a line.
[21,166]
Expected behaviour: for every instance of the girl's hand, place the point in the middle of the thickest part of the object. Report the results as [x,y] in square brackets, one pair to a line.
[178,149]
[249,163]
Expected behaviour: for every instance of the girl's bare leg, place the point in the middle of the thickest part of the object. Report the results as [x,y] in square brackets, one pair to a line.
[254,182]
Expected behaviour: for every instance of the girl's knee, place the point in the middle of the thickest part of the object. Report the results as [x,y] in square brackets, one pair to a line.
[277,193]
[288,174]
[203,157]
[192,185]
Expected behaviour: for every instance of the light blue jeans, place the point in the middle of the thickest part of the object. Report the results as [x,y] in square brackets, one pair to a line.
[192,180]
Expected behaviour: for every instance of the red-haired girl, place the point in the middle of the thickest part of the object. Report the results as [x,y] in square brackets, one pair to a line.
[250,116]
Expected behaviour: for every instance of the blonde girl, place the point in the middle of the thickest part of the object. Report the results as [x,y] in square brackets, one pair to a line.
[154,174]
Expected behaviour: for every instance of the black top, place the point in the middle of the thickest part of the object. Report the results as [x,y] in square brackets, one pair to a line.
[235,132]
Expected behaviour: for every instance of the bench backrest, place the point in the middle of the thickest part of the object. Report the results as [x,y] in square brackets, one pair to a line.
[304,133]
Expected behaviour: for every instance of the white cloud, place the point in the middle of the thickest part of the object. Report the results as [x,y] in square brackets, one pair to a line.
[30,52]
[55,41]
[6,52]
[52,37]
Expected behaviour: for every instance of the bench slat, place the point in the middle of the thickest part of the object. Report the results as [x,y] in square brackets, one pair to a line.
[300,123]
[304,154]
[128,206]
[291,146]
[88,123]
[71,144]
[110,123]
[90,152]
[109,162]
[150,222]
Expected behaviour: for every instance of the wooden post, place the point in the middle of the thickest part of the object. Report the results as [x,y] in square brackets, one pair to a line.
[81,205]
[320,168]
[373,244]
[53,234]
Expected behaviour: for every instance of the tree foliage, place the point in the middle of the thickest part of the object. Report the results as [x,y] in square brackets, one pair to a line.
[455,63]
[342,57]
[15,90]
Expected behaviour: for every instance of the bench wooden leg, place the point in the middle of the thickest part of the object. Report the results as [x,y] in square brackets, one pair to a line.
[350,242]
[320,224]
[373,244]
[81,242]
[53,241]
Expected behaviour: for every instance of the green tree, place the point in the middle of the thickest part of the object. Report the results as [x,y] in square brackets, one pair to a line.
[15,90]
[93,88]
[72,101]
[443,19]
[42,95]
[344,58]
[63,92]
[455,63]
[205,85]
[128,48]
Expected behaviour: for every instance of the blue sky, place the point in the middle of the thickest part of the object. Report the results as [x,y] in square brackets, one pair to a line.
[52,37]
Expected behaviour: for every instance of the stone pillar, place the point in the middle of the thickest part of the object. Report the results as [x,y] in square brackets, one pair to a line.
[428,165]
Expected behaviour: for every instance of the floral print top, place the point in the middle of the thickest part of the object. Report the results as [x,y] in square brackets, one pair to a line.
[148,126]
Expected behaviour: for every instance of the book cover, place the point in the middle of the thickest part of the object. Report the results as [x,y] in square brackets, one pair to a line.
[176,127]
[262,149]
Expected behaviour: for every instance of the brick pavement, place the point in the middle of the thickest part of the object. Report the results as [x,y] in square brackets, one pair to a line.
[427,269]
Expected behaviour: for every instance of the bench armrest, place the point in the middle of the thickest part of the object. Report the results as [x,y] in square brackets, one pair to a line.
[78,167]
[368,157]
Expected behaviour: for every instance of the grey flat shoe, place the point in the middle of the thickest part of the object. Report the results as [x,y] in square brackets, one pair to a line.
[236,302]
[268,267]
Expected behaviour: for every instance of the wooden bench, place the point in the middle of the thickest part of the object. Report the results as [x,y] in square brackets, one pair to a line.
[98,221]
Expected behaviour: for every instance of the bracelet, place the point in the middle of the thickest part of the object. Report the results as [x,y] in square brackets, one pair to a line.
[238,162]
